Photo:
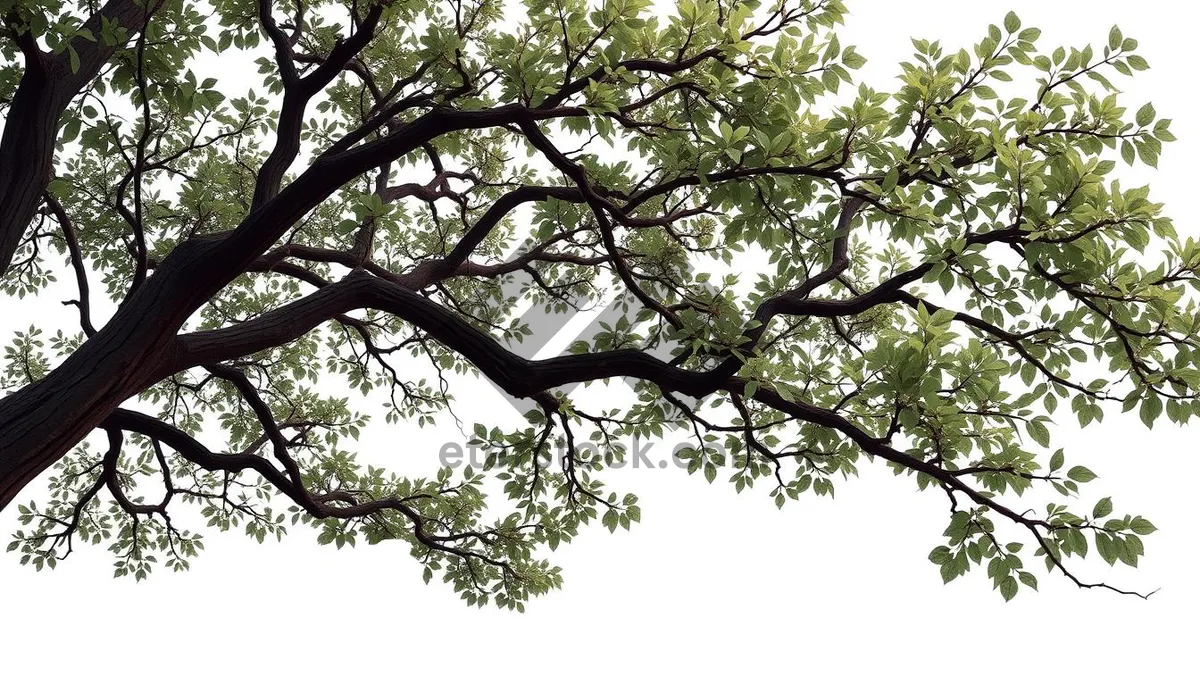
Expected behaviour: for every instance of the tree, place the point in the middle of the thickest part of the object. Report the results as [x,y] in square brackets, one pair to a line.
[938,268]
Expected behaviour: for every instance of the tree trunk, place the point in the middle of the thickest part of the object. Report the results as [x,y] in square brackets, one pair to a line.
[42,421]
[26,156]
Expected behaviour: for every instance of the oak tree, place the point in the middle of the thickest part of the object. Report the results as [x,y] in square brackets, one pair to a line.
[280,221]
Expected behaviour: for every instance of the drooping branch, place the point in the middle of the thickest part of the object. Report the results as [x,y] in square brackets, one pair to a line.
[517,376]
[530,378]
[318,505]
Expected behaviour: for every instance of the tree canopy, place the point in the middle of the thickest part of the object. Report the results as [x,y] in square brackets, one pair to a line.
[812,275]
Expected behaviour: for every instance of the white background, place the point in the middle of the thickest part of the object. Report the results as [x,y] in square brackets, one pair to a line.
[711,587]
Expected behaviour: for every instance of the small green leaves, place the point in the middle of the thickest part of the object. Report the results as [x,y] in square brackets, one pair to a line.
[1114,547]
[951,566]
[946,265]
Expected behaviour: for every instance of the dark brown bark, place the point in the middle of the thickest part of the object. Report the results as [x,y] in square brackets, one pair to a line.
[41,422]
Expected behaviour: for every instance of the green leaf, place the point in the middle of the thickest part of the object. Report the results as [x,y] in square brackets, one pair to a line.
[1115,38]
[1028,579]
[1056,460]
[1145,115]
[610,520]
[1150,409]
[1008,588]
[1142,527]
[1107,550]
[1103,508]
[890,180]
[1127,152]
[940,555]
[1039,432]
[949,572]
[1011,22]
[1081,474]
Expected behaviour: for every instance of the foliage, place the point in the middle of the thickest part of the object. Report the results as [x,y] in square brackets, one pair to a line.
[939,269]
